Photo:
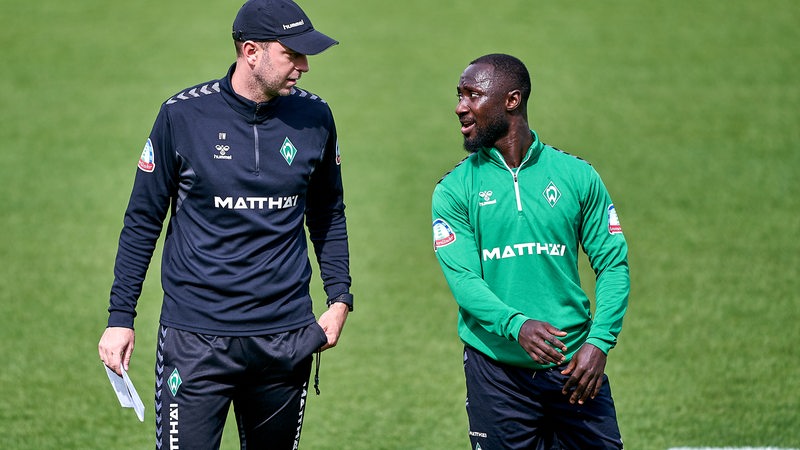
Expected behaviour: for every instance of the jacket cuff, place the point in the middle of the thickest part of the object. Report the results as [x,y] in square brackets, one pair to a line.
[514,325]
[345,298]
[604,346]
[120,319]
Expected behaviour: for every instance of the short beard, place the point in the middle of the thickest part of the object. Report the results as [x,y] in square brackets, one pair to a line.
[486,137]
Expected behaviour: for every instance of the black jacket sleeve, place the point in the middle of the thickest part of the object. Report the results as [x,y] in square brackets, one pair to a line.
[153,189]
[326,222]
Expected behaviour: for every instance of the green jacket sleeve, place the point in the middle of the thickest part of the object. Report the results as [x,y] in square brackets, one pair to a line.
[457,252]
[603,241]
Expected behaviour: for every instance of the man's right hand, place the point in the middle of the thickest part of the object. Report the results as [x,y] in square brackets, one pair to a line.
[116,348]
[540,340]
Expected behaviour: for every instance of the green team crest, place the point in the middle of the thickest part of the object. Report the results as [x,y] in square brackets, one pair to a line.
[174,382]
[288,151]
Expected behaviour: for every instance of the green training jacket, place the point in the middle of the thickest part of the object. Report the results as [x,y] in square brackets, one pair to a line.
[507,241]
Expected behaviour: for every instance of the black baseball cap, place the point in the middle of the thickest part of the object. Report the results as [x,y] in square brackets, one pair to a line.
[282,21]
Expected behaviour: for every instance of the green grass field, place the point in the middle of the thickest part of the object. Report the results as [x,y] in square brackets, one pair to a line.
[690,110]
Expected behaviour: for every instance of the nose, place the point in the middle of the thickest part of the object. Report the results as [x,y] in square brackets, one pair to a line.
[461,107]
[302,63]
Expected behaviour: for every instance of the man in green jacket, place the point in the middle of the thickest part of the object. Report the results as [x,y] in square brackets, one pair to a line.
[507,225]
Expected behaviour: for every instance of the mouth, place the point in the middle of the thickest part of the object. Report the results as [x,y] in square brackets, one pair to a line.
[467,125]
[293,80]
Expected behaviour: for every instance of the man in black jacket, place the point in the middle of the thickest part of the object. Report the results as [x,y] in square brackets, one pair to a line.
[239,163]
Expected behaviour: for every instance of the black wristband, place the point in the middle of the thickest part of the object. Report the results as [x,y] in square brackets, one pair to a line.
[345,298]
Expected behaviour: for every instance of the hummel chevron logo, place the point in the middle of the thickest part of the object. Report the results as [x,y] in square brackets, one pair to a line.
[195,92]
[303,93]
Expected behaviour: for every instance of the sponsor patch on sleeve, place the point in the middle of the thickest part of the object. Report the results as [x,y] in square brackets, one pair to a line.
[613,221]
[442,234]
[147,162]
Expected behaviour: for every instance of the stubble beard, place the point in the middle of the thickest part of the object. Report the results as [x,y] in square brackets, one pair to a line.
[269,88]
[267,83]
[486,136]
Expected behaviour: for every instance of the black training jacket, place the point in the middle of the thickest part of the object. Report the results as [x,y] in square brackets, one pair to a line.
[238,179]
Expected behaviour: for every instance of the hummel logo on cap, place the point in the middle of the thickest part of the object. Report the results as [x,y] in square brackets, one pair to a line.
[282,21]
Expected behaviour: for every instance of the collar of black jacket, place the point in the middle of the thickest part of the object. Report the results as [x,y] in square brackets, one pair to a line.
[252,112]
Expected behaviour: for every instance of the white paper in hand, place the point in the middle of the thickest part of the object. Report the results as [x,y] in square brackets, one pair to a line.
[126,393]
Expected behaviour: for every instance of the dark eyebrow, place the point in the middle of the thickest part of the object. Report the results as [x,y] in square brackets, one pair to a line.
[470,88]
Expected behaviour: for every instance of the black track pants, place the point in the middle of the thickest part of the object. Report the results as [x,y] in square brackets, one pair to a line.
[515,408]
[198,376]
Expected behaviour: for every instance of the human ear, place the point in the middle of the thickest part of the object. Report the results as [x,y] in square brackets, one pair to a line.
[513,100]
[249,50]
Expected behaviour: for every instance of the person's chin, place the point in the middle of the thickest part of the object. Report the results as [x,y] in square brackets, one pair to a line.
[470,145]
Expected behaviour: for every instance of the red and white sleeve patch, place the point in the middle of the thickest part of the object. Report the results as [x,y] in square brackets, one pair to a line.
[614,226]
[443,235]
[147,162]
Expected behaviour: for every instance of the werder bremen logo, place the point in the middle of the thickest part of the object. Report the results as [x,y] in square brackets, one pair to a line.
[174,382]
[552,194]
[288,151]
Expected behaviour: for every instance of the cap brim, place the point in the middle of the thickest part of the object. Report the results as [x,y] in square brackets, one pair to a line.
[309,43]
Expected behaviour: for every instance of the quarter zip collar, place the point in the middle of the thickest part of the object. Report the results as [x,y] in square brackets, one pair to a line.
[252,112]
[532,155]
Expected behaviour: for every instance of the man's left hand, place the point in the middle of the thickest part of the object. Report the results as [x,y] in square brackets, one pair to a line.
[586,371]
[332,321]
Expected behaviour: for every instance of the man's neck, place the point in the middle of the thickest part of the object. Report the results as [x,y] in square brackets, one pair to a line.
[514,145]
[243,84]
